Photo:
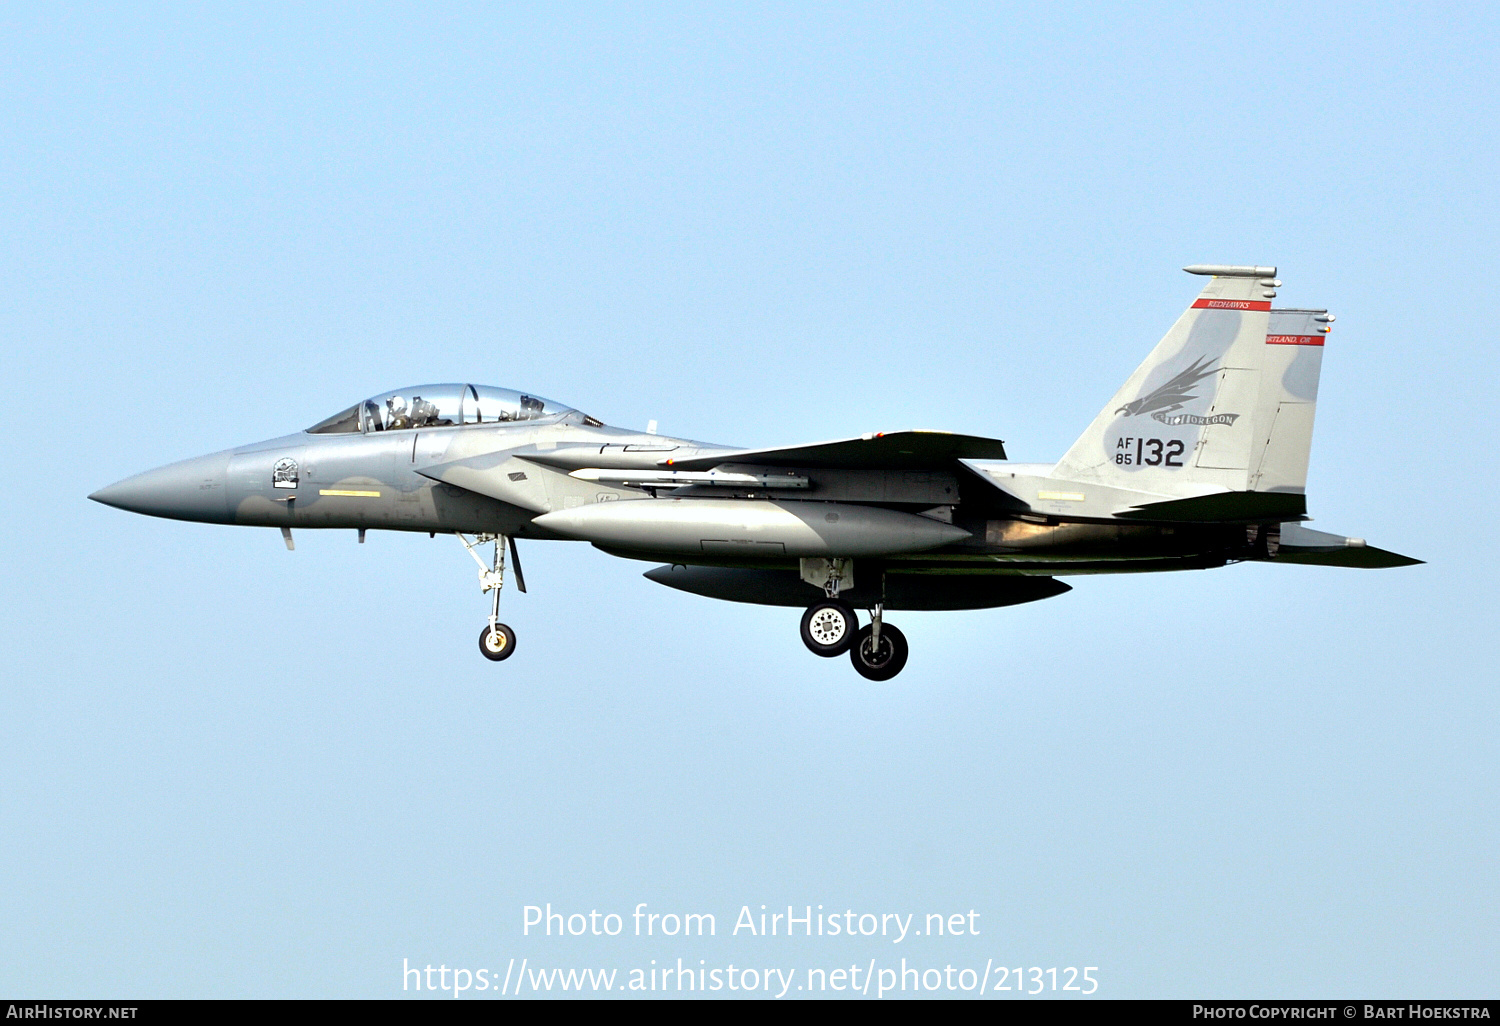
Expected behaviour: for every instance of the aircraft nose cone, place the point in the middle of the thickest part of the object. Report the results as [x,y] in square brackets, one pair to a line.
[189,490]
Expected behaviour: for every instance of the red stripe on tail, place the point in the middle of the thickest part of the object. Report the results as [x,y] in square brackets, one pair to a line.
[1232,304]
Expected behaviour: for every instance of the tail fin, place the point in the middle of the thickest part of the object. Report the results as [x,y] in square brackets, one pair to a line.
[1224,402]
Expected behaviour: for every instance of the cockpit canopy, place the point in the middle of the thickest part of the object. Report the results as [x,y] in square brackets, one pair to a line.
[430,406]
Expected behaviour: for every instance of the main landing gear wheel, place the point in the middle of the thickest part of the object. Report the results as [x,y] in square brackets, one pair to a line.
[497,644]
[879,662]
[828,628]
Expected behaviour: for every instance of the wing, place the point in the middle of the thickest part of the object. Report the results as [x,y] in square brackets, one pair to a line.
[883,450]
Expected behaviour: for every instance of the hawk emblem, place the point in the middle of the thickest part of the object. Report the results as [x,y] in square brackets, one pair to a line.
[1172,395]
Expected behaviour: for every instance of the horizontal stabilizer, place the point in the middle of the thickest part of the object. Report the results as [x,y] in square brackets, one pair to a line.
[1368,558]
[1222,508]
[1319,548]
[893,450]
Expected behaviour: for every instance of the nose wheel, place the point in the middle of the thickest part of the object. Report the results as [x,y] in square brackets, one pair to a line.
[497,642]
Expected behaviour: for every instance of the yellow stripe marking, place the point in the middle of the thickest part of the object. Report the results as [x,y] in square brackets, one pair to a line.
[1063,496]
[347,491]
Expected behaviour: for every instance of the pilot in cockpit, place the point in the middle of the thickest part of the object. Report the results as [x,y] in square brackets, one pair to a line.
[423,413]
[396,417]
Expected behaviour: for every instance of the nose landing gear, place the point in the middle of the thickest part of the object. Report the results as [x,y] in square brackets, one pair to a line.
[497,641]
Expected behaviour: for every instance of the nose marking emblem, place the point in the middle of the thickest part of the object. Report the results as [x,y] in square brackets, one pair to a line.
[284,474]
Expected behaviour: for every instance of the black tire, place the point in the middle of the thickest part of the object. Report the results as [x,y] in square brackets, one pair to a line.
[885,663]
[506,642]
[828,628]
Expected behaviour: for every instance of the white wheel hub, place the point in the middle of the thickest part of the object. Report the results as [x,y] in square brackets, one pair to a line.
[828,627]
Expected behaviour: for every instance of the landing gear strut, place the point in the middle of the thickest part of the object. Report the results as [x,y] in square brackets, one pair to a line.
[497,641]
[879,650]
[831,627]
[828,627]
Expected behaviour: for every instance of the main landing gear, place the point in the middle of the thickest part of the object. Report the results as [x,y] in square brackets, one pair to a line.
[879,650]
[496,640]
[831,628]
[828,628]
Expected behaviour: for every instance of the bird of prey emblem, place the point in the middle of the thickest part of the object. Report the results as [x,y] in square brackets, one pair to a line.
[1173,394]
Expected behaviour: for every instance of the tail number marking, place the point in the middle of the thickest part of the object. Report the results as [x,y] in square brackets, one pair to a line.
[1149,452]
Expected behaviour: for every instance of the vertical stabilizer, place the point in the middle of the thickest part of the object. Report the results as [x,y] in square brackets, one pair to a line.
[1294,352]
[1223,403]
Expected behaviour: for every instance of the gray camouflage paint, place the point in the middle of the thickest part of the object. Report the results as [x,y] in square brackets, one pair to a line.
[975,520]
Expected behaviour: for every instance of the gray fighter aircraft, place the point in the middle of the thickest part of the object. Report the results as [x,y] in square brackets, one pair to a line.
[1199,460]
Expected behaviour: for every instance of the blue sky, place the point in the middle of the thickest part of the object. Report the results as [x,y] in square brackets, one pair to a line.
[230,770]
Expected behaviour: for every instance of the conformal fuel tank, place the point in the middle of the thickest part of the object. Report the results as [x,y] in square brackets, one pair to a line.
[751,528]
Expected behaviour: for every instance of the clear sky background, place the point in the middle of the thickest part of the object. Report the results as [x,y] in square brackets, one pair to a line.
[231,770]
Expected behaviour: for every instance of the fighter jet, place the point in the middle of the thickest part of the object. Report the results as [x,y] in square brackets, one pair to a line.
[1200,459]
